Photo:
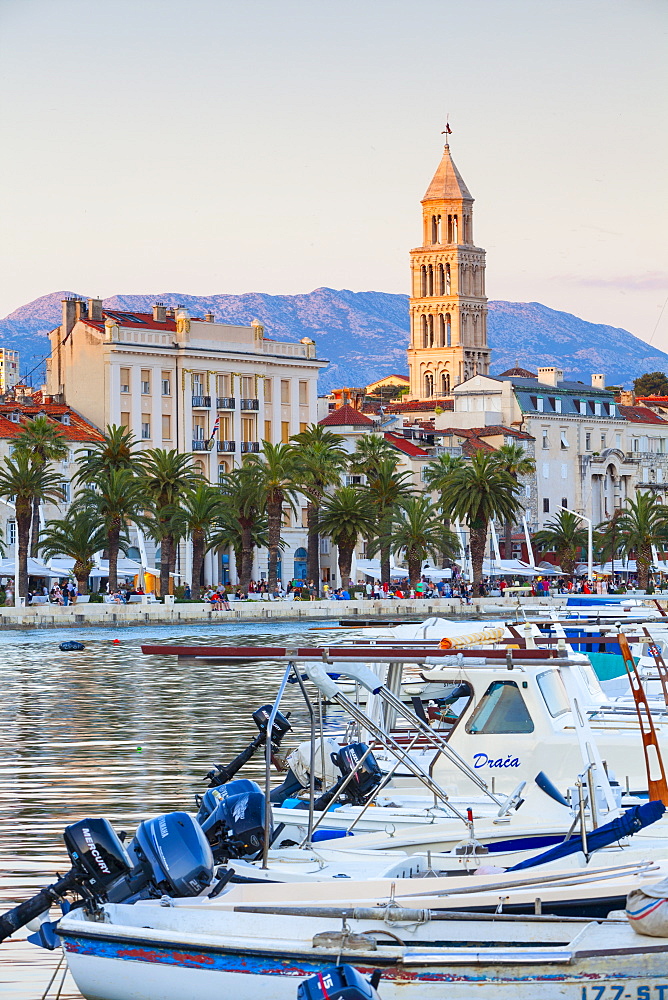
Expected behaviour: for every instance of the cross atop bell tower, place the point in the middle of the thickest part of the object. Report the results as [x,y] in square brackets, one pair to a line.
[448,306]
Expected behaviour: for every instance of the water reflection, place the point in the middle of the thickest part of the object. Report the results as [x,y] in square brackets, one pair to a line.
[111,732]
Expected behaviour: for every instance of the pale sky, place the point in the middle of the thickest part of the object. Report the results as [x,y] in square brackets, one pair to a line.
[208,146]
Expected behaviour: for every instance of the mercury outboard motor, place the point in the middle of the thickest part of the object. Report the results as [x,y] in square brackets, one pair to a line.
[222,773]
[169,854]
[339,982]
[232,819]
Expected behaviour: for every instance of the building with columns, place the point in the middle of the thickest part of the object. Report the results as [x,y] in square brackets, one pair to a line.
[448,307]
[169,377]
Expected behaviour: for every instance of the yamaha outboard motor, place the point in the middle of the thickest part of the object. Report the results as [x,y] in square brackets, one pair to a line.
[339,982]
[364,781]
[169,854]
[232,819]
[222,773]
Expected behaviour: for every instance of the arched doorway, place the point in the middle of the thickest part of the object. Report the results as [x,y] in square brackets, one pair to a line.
[301,564]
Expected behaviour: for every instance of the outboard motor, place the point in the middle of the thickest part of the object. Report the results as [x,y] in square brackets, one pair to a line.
[365,780]
[169,854]
[339,982]
[222,773]
[232,819]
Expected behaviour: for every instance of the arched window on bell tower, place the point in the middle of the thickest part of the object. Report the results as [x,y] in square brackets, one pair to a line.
[441,330]
[455,229]
[448,330]
[430,325]
[445,383]
[449,229]
[435,229]
[430,280]
[423,281]
[428,385]
[441,280]
[448,280]
[423,324]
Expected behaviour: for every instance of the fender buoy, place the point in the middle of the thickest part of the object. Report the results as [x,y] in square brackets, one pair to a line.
[71,646]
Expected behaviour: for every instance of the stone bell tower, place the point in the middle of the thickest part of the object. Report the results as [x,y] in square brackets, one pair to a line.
[448,306]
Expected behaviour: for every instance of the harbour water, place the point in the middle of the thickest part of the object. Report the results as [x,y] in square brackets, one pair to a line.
[110,732]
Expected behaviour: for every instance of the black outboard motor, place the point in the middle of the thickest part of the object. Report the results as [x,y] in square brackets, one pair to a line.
[232,819]
[339,982]
[365,780]
[169,854]
[222,773]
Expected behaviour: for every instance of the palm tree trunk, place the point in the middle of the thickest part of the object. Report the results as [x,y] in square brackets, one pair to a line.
[166,562]
[643,562]
[478,542]
[81,575]
[246,568]
[445,560]
[414,568]
[34,540]
[198,562]
[274,515]
[508,540]
[23,518]
[313,544]
[346,550]
[113,536]
[385,561]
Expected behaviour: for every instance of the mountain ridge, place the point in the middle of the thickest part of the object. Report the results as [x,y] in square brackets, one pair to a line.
[364,335]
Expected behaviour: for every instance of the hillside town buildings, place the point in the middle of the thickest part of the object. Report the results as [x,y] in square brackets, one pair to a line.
[9,368]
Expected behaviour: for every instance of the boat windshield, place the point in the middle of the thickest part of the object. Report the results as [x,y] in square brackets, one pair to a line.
[501,710]
[553,692]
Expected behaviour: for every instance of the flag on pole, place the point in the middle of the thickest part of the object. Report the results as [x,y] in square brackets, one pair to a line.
[214,431]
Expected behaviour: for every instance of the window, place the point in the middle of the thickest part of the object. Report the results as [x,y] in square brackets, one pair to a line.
[125,419]
[553,691]
[635,445]
[540,402]
[588,441]
[146,382]
[304,517]
[267,390]
[267,430]
[198,384]
[145,427]
[618,441]
[287,519]
[597,408]
[223,385]
[166,427]
[302,427]
[303,393]
[324,546]
[527,491]
[285,390]
[65,490]
[198,429]
[248,429]
[564,501]
[546,439]
[501,710]
[546,505]
[285,431]
[11,532]
[564,439]
[224,429]
[125,379]
[603,440]
[557,406]
[301,564]
[643,443]
[247,387]
[564,470]
[166,384]
[222,471]
[645,474]
[613,409]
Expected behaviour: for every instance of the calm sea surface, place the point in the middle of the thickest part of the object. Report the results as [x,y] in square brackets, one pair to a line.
[110,732]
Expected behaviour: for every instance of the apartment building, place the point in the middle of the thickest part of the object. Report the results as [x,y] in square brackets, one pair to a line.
[172,379]
[9,368]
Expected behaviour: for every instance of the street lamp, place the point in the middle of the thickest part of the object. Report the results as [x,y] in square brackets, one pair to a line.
[590,542]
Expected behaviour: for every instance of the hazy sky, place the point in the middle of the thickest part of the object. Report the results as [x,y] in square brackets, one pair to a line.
[210,146]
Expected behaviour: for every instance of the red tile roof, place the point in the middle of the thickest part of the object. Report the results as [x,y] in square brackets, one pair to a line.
[517,373]
[421,406]
[473,437]
[78,429]
[403,444]
[346,416]
[640,415]
[494,430]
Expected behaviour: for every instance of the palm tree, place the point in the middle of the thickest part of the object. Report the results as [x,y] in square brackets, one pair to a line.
[476,493]
[370,451]
[43,441]
[198,515]
[417,531]
[79,536]
[165,476]
[643,524]
[320,462]
[387,489]
[276,472]
[243,519]
[22,480]
[116,450]
[565,536]
[117,498]
[514,459]
[436,474]
[346,516]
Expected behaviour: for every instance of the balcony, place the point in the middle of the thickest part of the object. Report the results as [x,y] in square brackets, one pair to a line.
[199,445]
[249,446]
[202,401]
[225,402]
[227,446]
[249,404]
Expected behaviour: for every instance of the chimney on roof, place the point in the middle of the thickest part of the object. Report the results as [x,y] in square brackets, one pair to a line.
[170,313]
[95,310]
[625,397]
[209,318]
[159,313]
[69,315]
[598,381]
[80,309]
[550,376]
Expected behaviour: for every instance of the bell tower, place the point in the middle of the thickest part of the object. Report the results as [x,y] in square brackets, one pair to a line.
[448,306]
